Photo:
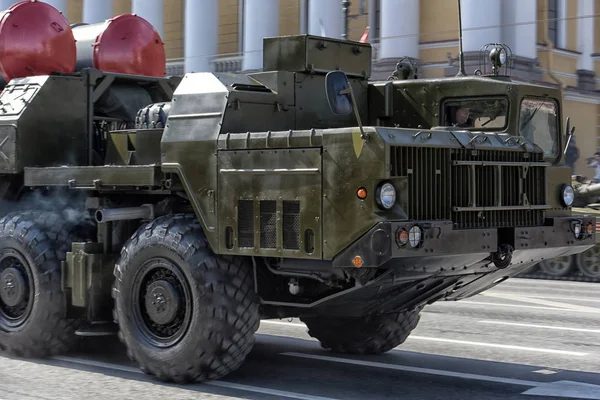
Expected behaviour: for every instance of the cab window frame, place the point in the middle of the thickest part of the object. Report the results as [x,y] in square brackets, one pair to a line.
[503,98]
[555,158]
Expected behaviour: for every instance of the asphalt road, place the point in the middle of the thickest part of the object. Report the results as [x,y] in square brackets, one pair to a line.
[526,339]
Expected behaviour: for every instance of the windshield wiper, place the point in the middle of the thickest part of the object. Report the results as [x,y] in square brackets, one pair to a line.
[533,114]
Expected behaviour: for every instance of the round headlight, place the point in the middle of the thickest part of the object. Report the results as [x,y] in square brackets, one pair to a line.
[386,196]
[577,230]
[568,195]
[415,236]
[502,56]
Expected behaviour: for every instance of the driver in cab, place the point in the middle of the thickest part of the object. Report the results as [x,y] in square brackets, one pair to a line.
[461,118]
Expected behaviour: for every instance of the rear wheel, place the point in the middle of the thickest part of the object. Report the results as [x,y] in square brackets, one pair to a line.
[557,267]
[33,308]
[588,262]
[184,313]
[373,334]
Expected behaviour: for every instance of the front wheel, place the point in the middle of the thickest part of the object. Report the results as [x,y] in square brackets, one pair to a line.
[373,334]
[184,313]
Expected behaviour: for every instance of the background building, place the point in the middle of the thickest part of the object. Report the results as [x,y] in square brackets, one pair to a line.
[555,41]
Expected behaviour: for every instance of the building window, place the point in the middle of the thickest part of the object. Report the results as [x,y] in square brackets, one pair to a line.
[552,21]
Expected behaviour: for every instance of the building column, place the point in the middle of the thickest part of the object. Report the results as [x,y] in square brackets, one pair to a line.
[95,11]
[60,5]
[152,11]
[586,78]
[519,18]
[399,34]
[201,40]
[519,32]
[399,22]
[325,15]
[481,22]
[261,19]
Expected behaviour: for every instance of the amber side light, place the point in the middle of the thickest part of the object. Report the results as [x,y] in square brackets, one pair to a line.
[589,229]
[358,261]
[361,193]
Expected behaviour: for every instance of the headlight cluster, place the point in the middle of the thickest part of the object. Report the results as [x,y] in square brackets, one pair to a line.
[412,237]
[582,230]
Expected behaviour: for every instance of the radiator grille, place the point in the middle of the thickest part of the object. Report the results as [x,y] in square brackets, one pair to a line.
[440,187]
[519,186]
[245,223]
[428,172]
[291,225]
[268,224]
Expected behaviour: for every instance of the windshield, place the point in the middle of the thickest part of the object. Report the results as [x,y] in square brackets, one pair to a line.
[538,122]
[479,113]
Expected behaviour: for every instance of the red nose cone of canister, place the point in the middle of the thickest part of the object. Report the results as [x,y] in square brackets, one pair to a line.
[35,39]
[126,44]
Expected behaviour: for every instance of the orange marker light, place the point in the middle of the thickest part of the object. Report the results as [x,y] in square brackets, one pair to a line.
[361,193]
[358,261]
[403,237]
[589,229]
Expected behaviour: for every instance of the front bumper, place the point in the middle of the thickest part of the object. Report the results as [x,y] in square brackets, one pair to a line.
[443,248]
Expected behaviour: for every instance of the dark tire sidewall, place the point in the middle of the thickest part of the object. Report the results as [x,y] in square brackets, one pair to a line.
[134,262]
[35,335]
[224,313]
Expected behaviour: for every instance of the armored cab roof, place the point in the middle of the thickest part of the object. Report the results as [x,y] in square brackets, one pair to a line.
[316,54]
[475,84]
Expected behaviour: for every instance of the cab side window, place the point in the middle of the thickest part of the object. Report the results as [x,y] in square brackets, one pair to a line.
[480,113]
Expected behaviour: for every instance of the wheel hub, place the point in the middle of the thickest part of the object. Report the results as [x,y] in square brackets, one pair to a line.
[12,287]
[162,302]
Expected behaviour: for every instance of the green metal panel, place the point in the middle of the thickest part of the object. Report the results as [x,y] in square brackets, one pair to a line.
[8,149]
[189,142]
[106,176]
[277,175]
[345,216]
[316,54]
[50,112]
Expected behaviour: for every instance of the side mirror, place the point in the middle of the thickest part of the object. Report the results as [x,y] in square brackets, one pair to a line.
[338,92]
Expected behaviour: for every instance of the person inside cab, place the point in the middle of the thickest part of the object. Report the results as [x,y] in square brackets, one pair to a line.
[462,118]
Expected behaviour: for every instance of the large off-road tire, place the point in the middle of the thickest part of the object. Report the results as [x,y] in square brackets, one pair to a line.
[210,331]
[373,334]
[33,307]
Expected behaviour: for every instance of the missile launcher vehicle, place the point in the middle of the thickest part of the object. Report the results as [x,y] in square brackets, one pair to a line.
[179,212]
[582,267]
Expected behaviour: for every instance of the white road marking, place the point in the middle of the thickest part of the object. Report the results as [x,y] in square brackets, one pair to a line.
[556,389]
[274,322]
[227,385]
[577,390]
[527,299]
[470,343]
[545,372]
[406,368]
[484,303]
[535,296]
[560,328]
[541,282]
[502,346]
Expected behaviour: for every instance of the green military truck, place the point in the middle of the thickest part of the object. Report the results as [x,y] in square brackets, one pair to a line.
[179,212]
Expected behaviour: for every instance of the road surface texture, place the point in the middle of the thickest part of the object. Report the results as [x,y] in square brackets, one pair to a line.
[526,339]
